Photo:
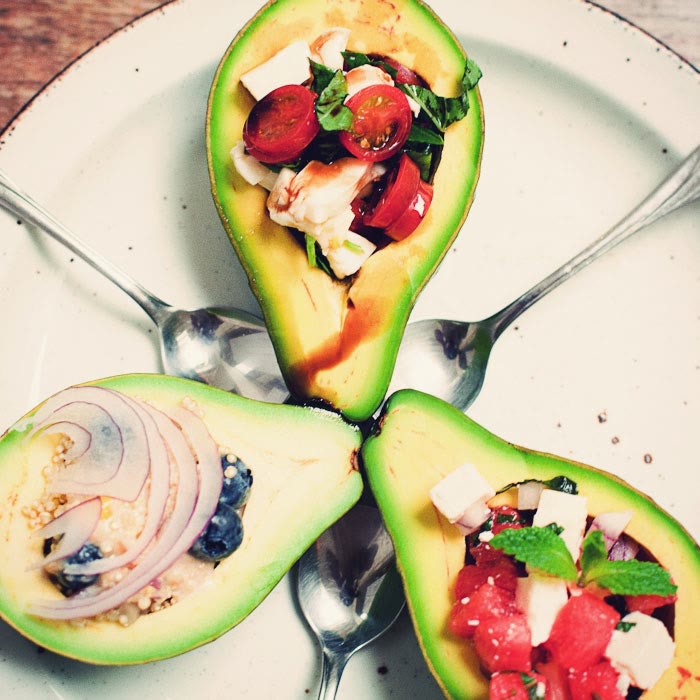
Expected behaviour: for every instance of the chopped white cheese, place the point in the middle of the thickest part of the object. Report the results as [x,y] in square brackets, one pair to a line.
[251,169]
[289,66]
[317,201]
[461,497]
[644,651]
[567,510]
[540,597]
[328,47]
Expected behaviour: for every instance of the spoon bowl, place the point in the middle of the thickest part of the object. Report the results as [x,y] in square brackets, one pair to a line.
[349,589]
[449,358]
[230,348]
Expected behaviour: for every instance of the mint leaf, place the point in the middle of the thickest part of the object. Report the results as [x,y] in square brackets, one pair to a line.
[556,483]
[627,577]
[331,88]
[540,548]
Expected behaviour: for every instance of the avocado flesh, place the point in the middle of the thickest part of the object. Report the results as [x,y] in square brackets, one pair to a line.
[337,341]
[417,441]
[296,455]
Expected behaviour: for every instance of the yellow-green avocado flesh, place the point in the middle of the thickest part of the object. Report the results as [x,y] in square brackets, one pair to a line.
[304,478]
[337,341]
[417,441]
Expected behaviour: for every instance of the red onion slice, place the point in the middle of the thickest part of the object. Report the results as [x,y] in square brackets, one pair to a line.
[75,524]
[198,492]
[158,492]
[126,477]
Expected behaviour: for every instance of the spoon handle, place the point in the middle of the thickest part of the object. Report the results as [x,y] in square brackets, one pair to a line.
[20,203]
[681,187]
[332,669]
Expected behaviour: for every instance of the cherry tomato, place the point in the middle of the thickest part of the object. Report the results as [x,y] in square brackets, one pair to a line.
[409,220]
[382,122]
[281,125]
[398,194]
[404,74]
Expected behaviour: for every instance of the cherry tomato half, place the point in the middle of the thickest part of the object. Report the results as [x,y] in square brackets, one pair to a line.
[382,122]
[398,195]
[408,222]
[281,125]
[404,74]
[403,204]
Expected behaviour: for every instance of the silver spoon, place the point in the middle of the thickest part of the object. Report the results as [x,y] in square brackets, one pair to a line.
[349,589]
[449,358]
[225,347]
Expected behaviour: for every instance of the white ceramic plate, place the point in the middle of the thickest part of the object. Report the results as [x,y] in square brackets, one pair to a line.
[584,115]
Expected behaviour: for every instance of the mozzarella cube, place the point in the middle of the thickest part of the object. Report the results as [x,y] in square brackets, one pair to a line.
[348,252]
[567,510]
[461,497]
[289,66]
[540,597]
[328,48]
[644,651]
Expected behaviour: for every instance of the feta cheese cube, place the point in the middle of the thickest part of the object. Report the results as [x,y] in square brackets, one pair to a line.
[567,510]
[348,252]
[644,651]
[289,66]
[540,597]
[461,497]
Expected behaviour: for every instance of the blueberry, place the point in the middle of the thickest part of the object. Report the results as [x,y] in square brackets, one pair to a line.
[70,584]
[237,482]
[222,536]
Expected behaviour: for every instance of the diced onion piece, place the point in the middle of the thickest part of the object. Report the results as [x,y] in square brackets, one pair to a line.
[611,525]
[75,526]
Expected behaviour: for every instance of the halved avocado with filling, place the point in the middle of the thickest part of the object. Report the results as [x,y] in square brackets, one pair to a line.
[294,454]
[417,441]
[337,340]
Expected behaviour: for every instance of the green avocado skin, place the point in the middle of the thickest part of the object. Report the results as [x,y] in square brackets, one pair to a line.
[304,464]
[336,341]
[417,440]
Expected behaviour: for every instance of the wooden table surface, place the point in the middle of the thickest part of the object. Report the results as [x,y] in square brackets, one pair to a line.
[38,38]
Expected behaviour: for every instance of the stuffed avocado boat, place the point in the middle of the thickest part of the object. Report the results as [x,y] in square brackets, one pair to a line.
[343,159]
[527,575]
[146,515]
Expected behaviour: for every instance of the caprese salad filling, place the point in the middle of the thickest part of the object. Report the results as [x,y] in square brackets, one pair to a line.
[139,505]
[347,145]
[556,604]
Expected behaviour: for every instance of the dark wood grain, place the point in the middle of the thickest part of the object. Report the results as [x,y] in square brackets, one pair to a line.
[39,38]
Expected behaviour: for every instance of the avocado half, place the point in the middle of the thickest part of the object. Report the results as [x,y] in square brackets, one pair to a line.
[417,441]
[337,341]
[296,455]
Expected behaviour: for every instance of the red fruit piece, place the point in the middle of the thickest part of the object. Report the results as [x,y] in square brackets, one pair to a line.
[502,572]
[517,686]
[504,643]
[599,681]
[486,602]
[581,631]
[648,603]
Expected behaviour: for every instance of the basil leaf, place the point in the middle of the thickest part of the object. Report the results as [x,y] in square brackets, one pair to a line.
[332,89]
[538,547]
[443,111]
[557,483]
